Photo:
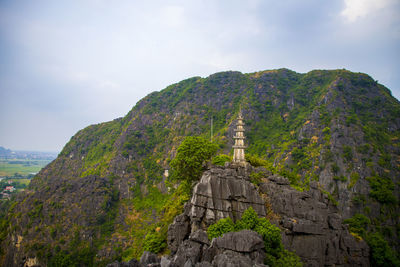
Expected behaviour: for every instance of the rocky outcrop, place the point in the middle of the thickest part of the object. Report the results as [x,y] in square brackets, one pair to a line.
[312,226]
[244,248]
[221,193]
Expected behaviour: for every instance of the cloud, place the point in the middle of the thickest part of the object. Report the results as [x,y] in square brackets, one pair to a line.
[357,9]
[88,61]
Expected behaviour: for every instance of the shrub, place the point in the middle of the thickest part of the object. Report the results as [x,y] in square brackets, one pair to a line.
[358,224]
[298,154]
[354,177]
[255,177]
[249,220]
[381,253]
[287,259]
[271,234]
[221,159]
[335,168]
[255,160]
[154,242]
[191,154]
[221,227]
[382,189]
[347,153]
[341,178]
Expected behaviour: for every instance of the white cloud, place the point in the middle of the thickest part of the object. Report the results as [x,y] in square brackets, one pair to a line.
[356,9]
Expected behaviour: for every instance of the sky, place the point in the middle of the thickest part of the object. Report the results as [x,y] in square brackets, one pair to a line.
[65,65]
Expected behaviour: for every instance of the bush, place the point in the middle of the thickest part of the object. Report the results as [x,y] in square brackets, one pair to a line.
[221,227]
[382,189]
[221,159]
[335,168]
[191,154]
[271,234]
[347,153]
[287,259]
[154,242]
[249,220]
[255,177]
[358,224]
[298,154]
[255,160]
[381,253]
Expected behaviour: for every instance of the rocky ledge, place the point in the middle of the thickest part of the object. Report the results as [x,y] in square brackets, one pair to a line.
[311,225]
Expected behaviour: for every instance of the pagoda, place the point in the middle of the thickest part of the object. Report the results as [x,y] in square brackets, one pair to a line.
[238,148]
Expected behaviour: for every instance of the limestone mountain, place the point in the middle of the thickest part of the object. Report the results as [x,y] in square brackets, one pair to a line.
[107,189]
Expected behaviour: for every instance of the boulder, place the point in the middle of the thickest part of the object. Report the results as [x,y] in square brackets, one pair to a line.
[245,241]
[177,232]
[149,259]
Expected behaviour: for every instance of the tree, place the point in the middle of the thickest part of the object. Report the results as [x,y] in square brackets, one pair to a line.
[190,157]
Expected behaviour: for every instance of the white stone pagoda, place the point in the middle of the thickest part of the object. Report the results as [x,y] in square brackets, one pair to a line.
[238,147]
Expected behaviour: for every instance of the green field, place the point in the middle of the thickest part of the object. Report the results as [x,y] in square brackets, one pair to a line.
[8,167]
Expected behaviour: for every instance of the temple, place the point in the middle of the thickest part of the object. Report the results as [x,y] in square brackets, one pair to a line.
[238,147]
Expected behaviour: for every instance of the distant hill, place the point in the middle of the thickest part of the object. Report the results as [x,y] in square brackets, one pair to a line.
[20,154]
[5,152]
[105,191]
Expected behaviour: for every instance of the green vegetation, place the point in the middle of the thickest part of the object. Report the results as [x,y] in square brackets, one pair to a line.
[221,159]
[191,155]
[382,189]
[271,234]
[358,224]
[381,253]
[221,227]
[10,167]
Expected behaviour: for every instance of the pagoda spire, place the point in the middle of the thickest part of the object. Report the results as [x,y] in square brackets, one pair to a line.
[238,147]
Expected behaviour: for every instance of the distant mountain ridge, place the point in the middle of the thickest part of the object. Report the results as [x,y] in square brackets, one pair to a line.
[106,188]
[26,154]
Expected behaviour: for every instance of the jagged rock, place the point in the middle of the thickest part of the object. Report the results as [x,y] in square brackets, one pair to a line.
[231,259]
[188,250]
[245,241]
[131,263]
[223,192]
[177,232]
[165,262]
[200,236]
[203,264]
[313,227]
[149,259]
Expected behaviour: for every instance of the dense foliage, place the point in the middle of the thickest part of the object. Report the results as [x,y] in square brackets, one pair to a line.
[221,159]
[381,253]
[191,155]
[271,234]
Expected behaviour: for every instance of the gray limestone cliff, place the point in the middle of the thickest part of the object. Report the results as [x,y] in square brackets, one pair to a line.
[311,226]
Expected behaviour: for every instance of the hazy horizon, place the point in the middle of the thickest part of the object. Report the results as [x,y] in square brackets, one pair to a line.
[68,65]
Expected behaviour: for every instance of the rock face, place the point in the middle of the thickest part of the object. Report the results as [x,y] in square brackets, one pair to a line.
[221,193]
[244,248]
[312,226]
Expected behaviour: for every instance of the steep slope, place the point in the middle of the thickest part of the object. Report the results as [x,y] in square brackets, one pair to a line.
[105,190]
